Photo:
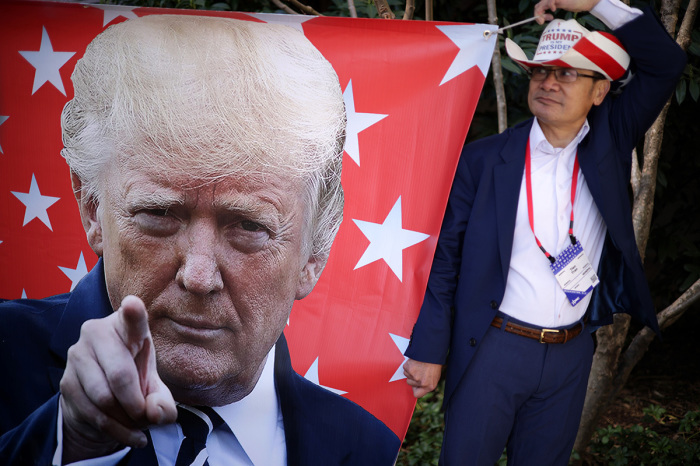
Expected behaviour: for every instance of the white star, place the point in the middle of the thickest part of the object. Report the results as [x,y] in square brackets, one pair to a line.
[3,119]
[293,21]
[401,343]
[474,48]
[312,376]
[77,273]
[36,204]
[388,240]
[113,12]
[357,122]
[47,63]
[24,294]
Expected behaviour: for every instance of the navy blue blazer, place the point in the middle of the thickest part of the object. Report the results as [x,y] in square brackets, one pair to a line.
[320,427]
[468,277]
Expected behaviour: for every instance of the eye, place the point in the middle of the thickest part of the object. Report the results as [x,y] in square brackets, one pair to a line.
[248,225]
[567,73]
[157,222]
[247,235]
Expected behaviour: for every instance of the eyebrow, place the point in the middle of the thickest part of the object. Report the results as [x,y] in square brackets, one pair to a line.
[137,198]
[263,210]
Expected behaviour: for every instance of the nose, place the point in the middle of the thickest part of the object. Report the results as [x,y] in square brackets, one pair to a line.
[550,81]
[199,271]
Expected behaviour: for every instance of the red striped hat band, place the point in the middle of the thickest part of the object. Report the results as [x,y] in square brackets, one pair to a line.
[568,44]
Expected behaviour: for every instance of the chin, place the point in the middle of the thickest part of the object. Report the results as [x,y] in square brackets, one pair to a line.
[197,377]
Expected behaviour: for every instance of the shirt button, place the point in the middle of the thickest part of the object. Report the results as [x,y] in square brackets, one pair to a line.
[494,305]
[472,342]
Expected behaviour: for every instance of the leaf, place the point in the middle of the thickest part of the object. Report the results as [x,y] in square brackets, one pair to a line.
[694,48]
[680,91]
[694,88]
[593,23]
[661,179]
[523,5]
[510,66]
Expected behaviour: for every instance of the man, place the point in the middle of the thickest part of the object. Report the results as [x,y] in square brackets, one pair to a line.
[205,155]
[515,337]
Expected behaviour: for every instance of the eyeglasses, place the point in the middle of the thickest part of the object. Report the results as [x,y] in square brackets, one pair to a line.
[563,75]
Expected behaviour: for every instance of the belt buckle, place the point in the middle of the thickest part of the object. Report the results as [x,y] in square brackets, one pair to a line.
[544,331]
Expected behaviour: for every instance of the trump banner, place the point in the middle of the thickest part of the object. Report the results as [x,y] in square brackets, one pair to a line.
[410,89]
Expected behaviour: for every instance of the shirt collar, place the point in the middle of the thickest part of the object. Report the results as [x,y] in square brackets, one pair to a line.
[257,416]
[540,145]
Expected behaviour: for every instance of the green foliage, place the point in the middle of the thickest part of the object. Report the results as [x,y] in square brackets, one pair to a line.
[421,445]
[662,440]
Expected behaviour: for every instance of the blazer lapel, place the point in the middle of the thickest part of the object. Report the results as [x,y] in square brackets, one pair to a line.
[87,301]
[507,180]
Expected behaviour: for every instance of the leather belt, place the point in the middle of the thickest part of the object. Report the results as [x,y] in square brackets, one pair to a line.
[543,335]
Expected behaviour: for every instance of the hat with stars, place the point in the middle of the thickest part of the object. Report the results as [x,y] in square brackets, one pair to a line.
[567,44]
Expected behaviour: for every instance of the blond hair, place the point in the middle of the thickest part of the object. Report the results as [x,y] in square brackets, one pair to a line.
[212,97]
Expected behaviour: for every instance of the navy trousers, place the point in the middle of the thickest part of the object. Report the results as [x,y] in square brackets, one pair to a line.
[518,393]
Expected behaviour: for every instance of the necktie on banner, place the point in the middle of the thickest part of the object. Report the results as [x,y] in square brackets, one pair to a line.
[197,424]
[410,90]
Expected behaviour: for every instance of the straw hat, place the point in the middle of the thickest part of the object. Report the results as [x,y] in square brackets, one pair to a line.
[567,44]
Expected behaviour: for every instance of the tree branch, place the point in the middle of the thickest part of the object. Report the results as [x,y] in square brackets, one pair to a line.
[636,177]
[502,109]
[352,9]
[410,9]
[644,198]
[283,7]
[383,9]
[683,38]
[428,10]
[641,341]
[304,8]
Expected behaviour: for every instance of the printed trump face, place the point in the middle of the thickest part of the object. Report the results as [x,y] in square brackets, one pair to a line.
[218,266]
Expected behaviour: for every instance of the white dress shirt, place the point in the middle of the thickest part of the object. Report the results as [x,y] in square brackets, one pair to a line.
[532,293]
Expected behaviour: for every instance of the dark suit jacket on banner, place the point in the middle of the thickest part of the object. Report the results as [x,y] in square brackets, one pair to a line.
[320,427]
[468,278]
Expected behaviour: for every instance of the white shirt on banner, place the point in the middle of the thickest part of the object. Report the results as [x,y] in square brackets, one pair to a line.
[256,435]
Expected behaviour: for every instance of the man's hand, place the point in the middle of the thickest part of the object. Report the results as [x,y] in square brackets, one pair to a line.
[110,390]
[568,5]
[422,376]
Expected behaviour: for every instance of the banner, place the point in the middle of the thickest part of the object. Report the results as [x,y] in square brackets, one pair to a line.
[410,90]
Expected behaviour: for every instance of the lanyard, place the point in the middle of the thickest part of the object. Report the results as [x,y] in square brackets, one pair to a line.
[530,210]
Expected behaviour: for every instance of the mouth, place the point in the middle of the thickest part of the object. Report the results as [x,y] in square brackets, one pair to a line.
[546,100]
[195,330]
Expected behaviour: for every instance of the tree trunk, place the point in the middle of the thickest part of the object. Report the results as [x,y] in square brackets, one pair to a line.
[611,366]
[498,73]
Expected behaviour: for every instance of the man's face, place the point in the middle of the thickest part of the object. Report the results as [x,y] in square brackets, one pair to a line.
[565,104]
[218,267]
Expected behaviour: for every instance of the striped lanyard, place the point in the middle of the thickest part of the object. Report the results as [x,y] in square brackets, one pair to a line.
[530,210]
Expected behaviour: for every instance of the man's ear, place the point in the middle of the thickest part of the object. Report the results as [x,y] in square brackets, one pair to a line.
[309,276]
[88,214]
[602,87]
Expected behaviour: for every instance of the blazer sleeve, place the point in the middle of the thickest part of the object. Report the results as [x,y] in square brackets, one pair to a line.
[430,339]
[656,66]
[34,440]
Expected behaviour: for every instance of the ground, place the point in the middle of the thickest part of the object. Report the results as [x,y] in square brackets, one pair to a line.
[668,375]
